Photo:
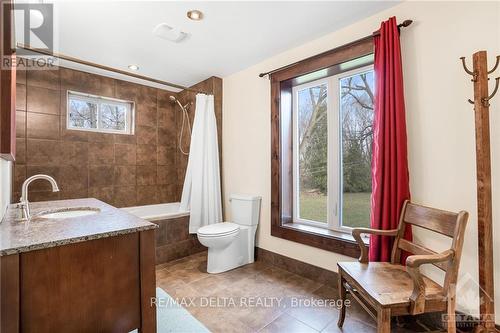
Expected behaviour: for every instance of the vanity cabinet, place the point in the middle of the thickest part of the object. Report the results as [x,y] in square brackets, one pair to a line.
[99,285]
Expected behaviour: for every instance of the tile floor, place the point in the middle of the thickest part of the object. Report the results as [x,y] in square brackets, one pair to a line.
[259,298]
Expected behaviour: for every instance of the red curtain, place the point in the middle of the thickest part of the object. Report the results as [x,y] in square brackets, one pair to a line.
[390,183]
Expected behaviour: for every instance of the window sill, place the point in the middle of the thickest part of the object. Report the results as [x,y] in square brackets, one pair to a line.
[322,238]
[324,232]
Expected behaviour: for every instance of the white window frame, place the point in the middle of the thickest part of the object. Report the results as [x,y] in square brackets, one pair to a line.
[99,100]
[334,154]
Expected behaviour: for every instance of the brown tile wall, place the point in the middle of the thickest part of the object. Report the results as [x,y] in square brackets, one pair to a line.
[173,240]
[122,170]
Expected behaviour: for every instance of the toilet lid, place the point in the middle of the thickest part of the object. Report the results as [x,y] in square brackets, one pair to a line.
[219,229]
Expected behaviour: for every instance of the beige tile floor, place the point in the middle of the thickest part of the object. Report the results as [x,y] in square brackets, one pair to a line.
[258,298]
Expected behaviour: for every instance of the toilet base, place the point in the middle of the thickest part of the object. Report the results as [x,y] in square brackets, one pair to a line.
[223,260]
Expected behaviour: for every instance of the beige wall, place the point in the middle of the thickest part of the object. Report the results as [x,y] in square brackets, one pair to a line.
[440,121]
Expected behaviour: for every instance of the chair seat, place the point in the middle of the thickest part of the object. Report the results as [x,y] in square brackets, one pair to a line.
[386,283]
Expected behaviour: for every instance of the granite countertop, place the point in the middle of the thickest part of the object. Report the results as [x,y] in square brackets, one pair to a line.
[40,233]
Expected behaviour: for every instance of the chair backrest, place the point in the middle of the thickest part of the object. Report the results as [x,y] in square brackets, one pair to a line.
[440,221]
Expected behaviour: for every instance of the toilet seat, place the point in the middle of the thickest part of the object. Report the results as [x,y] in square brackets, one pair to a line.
[219,229]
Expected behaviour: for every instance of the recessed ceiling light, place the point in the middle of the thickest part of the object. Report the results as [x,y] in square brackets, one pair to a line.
[133,67]
[195,15]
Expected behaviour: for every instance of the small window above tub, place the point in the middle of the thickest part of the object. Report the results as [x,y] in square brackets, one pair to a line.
[99,114]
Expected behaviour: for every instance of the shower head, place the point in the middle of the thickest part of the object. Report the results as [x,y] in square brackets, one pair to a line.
[173,99]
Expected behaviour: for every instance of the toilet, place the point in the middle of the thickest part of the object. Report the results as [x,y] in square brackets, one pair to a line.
[231,244]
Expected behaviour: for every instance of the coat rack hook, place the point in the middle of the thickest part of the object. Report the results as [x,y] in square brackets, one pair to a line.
[470,101]
[496,88]
[465,66]
[496,65]
[486,100]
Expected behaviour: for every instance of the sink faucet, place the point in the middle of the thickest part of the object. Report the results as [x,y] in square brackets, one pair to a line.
[24,203]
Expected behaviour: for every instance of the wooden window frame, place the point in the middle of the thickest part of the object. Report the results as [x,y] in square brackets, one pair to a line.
[282,225]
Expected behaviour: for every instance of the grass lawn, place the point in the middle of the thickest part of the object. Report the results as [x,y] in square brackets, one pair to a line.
[356,210]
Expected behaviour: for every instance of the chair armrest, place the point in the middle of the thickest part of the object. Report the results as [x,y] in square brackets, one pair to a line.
[418,260]
[356,234]
[413,263]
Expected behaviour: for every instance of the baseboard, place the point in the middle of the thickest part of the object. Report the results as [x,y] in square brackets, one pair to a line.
[298,267]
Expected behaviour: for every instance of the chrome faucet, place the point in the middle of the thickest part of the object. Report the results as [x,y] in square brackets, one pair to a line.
[23,202]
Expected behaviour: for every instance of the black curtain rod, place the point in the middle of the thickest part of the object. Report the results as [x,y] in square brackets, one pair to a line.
[376,33]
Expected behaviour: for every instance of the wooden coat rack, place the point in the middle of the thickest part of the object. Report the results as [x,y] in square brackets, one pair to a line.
[481,103]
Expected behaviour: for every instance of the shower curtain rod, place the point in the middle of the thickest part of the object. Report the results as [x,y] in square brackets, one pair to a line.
[106,68]
[376,33]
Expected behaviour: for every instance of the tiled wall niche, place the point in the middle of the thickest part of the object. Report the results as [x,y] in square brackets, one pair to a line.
[122,170]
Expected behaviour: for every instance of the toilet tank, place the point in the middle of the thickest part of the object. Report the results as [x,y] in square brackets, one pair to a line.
[245,209]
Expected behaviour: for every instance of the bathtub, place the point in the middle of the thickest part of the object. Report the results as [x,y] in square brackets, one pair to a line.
[158,212]
[173,240]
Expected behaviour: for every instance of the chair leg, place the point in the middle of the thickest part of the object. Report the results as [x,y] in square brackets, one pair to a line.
[343,297]
[384,321]
[451,322]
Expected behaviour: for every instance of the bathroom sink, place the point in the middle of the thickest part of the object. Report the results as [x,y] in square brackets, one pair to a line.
[65,213]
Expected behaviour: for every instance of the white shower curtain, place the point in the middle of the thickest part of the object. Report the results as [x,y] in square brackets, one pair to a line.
[201,194]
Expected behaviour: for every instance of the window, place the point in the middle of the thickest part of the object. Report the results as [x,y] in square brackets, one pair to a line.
[332,149]
[99,114]
[311,194]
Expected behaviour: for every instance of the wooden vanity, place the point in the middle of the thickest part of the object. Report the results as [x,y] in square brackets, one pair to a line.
[85,274]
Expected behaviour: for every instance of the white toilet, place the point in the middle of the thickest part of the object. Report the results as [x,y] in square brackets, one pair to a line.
[231,244]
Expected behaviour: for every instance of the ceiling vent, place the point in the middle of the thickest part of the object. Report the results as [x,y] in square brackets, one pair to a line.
[169,33]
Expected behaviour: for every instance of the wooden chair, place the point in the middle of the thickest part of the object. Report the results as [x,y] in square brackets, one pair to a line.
[390,289]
